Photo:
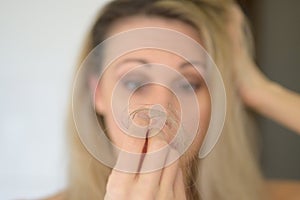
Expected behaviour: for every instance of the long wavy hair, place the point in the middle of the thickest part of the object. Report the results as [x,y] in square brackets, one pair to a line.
[231,171]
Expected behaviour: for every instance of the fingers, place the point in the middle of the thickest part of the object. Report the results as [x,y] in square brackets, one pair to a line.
[154,162]
[129,155]
[172,182]
[179,187]
[170,172]
[145,176]
[166,182]
[122,176]
[118,184]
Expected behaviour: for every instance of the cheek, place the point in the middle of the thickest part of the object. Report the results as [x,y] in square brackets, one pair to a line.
[112,129]
[205,113]
[121,139]
[103,95]
[103,99]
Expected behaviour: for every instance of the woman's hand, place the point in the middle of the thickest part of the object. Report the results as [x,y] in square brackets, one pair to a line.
[250,80]
[165,183]
[256,90]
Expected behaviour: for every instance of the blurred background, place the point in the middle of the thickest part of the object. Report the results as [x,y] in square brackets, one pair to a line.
[39,44]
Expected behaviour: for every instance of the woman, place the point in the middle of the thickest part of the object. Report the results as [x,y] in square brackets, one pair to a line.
[230,171]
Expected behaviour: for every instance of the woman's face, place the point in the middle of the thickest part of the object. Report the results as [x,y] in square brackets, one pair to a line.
[152,77]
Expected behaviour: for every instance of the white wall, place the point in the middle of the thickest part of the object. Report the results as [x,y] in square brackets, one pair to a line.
[39,44]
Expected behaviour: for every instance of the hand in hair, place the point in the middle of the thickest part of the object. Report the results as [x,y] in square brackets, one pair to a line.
[257,91]
[165,183]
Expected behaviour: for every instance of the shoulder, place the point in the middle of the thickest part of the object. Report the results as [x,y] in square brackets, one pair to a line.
[277,190]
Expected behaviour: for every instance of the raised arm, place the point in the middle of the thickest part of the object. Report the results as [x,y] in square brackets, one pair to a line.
[257,91]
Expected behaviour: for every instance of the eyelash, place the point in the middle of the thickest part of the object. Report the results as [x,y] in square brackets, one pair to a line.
[192,86]
[135,85]
[138,85]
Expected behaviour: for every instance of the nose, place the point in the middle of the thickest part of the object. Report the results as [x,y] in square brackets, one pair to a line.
[161,95]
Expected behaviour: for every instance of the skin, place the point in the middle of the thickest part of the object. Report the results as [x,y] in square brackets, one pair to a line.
[168,182]
[265,97]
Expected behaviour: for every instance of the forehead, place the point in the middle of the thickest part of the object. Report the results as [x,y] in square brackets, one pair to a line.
[152,56]
[154,40]
[141,21]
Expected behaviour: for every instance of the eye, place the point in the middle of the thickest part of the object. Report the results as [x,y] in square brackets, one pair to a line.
[191,86]
[188,86]
[132,85]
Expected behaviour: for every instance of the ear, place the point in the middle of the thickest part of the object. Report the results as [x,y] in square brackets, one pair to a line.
[96,93]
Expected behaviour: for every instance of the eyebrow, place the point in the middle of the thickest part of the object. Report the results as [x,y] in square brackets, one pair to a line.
[138,60]
[145,62]
[193,64]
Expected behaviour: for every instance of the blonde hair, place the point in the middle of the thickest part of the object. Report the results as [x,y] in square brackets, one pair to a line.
[231,170]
